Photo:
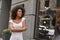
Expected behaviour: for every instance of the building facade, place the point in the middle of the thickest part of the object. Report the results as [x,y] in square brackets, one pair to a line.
[32,7]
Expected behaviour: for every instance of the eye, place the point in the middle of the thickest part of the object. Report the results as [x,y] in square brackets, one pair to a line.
[20,11]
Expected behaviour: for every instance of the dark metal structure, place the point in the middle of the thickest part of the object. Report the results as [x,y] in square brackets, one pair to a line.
[43,18]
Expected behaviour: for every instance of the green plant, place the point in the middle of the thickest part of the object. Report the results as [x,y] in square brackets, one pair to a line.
[6,32]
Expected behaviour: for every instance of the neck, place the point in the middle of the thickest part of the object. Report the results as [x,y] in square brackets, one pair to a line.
[17,18]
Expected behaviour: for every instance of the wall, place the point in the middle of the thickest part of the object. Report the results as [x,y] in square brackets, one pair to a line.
[29,6]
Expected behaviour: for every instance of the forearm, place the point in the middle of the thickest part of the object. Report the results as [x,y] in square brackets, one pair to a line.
[18,29]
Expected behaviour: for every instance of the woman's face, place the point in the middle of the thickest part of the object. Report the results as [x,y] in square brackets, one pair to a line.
[19,13]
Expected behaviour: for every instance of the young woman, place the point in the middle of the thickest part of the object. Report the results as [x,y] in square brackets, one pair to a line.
[17,23]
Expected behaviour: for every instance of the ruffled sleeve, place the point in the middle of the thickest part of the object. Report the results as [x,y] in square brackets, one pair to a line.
[10,21]
[23,19]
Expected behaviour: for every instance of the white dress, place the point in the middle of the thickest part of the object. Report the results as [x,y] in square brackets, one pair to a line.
[17,35]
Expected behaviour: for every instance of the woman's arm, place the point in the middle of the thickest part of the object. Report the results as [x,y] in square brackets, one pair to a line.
[24,26]
[12,29]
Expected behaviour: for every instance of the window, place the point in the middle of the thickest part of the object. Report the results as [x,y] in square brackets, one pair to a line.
[46,3]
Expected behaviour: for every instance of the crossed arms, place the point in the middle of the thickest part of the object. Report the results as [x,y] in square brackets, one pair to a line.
[12,29]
